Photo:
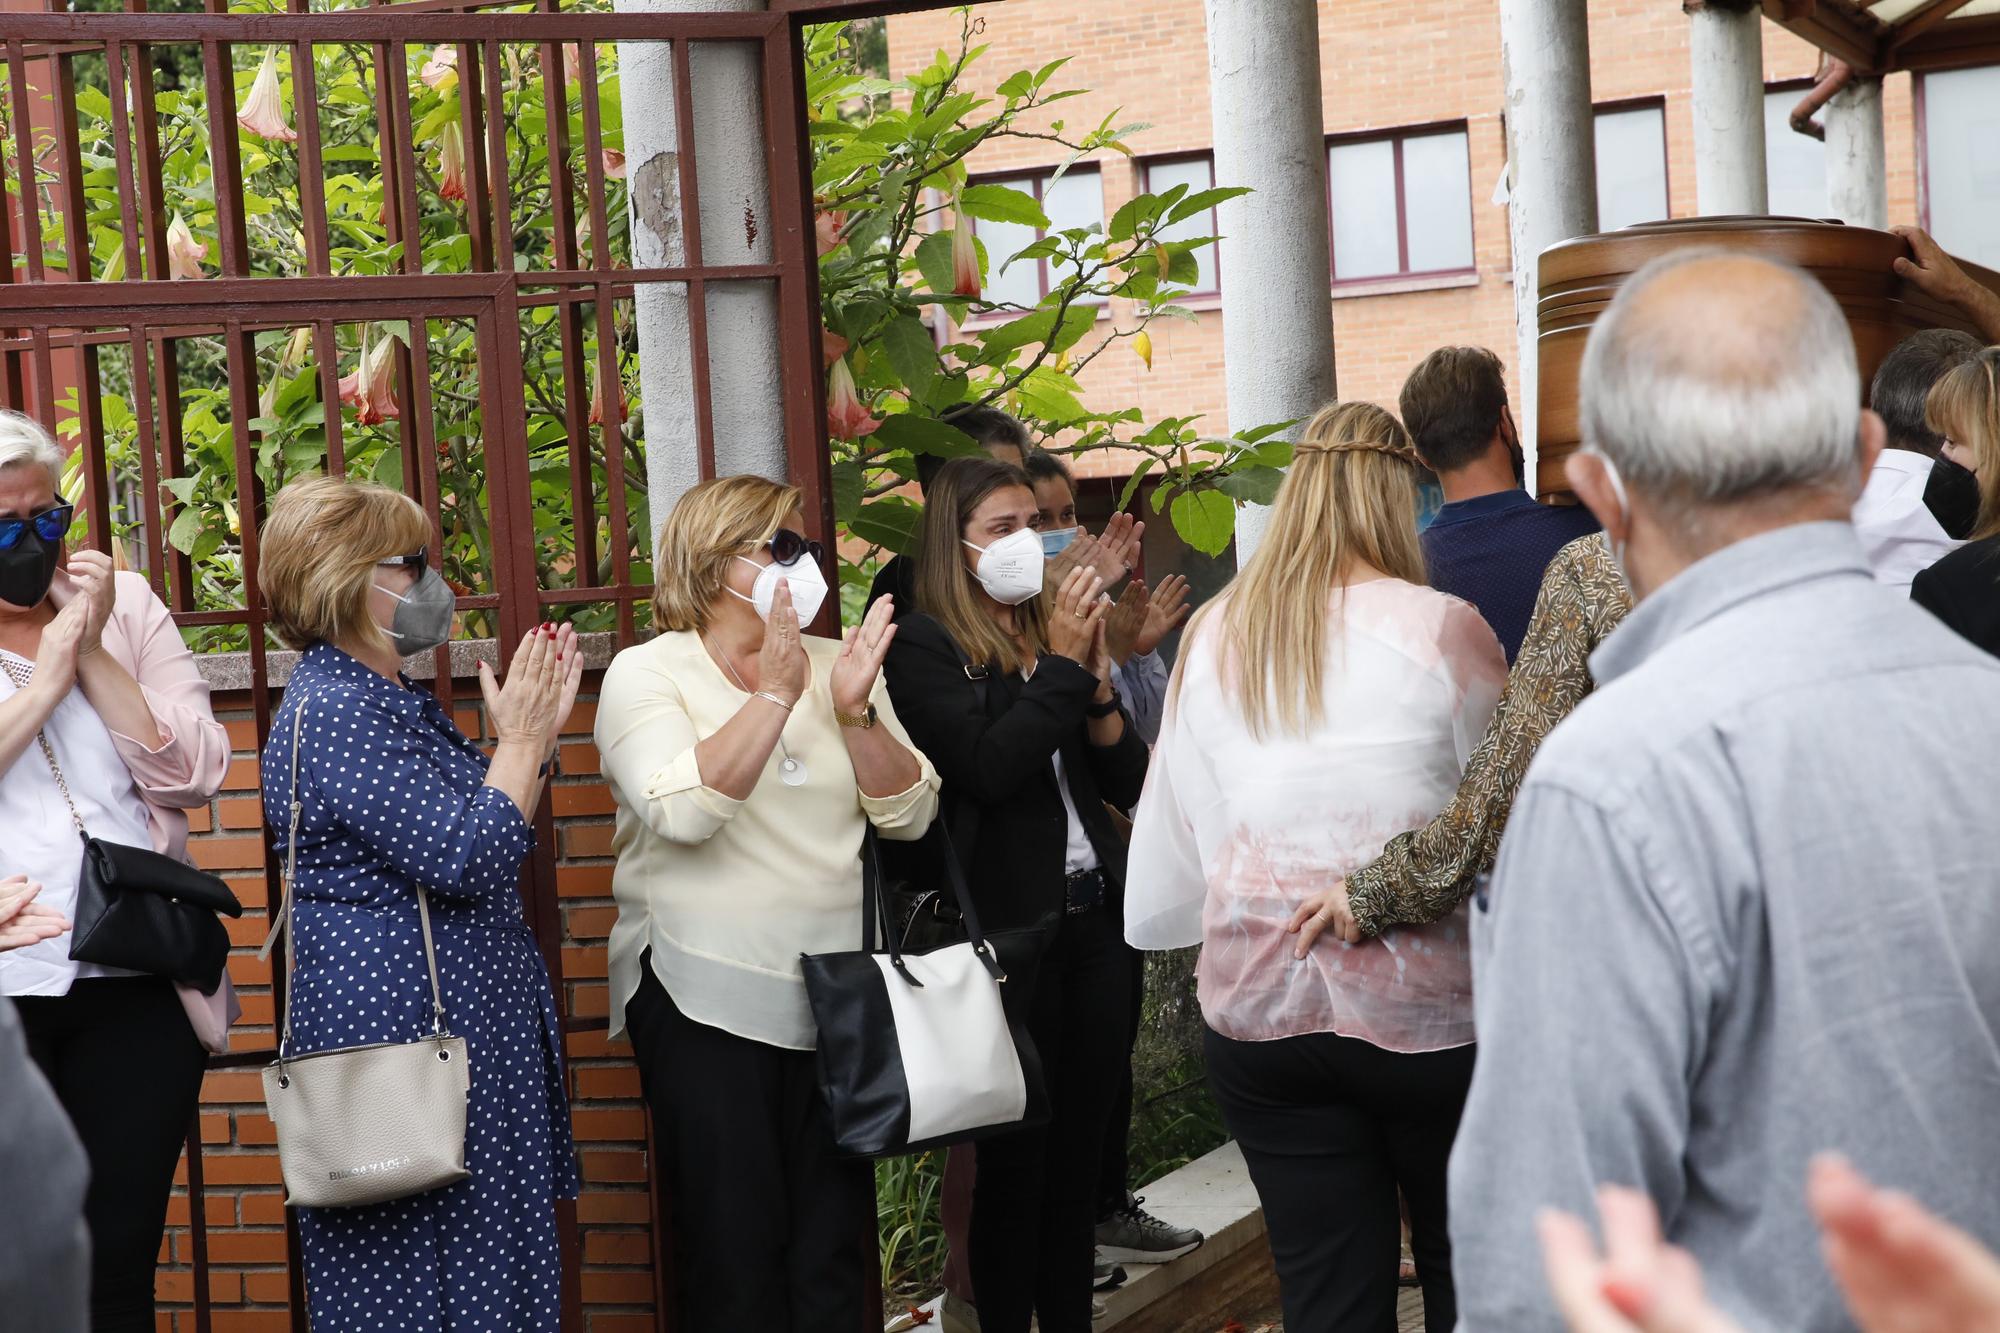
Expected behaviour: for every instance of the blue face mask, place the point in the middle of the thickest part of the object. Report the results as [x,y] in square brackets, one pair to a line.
[1057,540]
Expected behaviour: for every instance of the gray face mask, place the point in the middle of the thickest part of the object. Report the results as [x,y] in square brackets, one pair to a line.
[423,614]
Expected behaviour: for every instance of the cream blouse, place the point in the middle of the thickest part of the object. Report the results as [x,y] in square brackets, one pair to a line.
[726,893]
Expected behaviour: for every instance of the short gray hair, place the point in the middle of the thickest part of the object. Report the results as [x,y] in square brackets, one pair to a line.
[24,442]
[1758,392]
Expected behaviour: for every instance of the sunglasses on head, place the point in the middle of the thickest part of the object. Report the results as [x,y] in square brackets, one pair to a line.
[787,546]
[50,526]
[415,561]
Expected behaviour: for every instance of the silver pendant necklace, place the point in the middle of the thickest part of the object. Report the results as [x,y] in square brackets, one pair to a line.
[790,771]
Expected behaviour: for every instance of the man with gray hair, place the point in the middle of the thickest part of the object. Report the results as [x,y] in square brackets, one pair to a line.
[1745,907]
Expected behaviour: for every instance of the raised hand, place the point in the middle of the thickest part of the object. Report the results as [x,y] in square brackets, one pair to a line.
[90,579]
[1166,610]
[861,654]
[1118,548]
[1074,615]
[1326,912]
[62,644]
[1640,1285]
[1939,276]
[1901,1269]
[1083,550]
[1126,622]
[23,921]
[781,666]
[528,708]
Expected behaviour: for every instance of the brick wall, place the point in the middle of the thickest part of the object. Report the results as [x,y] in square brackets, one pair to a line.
[242,1199]
[1384,64]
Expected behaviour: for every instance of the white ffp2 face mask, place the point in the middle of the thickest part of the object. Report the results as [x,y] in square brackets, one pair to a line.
[808,586]
[1010,569]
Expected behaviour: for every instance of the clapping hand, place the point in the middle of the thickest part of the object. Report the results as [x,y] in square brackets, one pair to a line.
[781,664]
[1126,622]
[534,704]
[62,643]
[1111,556]
[1076,617]
[23,921]
[1641,1284]
[861,654]
[1165,611]
[90,581]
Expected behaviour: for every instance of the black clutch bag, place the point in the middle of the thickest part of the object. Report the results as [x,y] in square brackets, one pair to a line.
[142,911]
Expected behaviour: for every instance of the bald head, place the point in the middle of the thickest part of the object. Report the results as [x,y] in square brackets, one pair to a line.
[1718,377]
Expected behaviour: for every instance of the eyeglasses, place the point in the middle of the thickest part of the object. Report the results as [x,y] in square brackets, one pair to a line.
[50,525]
[415,561]
[787,546]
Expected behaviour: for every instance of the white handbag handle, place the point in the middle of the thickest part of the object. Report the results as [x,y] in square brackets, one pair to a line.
[283,919]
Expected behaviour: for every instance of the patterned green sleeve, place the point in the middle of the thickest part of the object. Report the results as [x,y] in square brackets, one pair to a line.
[1424,874]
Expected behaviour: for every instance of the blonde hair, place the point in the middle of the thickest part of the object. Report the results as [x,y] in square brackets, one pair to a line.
[318,554]
[1964,406]
[1349,498]
[946,588]
[710,526]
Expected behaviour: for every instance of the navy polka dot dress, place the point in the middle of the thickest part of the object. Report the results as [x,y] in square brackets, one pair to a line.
[393,798]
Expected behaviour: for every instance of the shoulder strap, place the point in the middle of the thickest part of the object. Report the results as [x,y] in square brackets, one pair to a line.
[283,920]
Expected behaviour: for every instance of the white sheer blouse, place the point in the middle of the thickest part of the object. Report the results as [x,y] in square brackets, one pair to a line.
[1235,832]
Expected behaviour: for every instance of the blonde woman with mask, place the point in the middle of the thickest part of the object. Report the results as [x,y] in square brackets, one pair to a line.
[748,761]
[1007,689]
[1325,701]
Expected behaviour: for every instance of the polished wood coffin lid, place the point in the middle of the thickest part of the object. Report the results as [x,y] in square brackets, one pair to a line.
[1579,278]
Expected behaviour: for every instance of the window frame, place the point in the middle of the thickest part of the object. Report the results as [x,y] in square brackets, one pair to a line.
[1038,178]
[1395,136]
[1803,85]
[1648,102]
[1207,155]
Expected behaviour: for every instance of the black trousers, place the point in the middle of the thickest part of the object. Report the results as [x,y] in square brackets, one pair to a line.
[1330,1127]
[1034,1201]
[127,1068]
[769,1226]
[1114,1170]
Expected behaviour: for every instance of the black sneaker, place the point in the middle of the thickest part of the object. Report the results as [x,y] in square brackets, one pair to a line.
[1131,1235]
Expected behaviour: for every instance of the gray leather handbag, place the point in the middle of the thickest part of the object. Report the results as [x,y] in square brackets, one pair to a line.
[364,1124]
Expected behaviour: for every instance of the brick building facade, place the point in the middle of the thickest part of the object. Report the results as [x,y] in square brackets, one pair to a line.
[1424,72]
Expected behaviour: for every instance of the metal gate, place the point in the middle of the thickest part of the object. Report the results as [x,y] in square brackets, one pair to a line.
[501,406]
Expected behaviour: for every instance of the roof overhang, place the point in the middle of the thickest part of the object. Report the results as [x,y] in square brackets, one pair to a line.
[1880,36]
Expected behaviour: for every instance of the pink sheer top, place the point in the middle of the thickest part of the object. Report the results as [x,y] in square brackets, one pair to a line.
[1235,832]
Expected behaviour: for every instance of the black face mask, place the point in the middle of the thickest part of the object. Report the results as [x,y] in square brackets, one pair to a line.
[1952,496]
[27,569]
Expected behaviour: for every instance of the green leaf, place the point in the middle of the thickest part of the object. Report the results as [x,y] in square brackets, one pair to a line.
[182,489]
[187,526]
[206,545]
[1205,520]
[924,435]
[1264,432]
[1020,85]
[999,203]
[912,353]
[1252,485]
[1132,483]
[934,261]
[1203,200]
[1050,396]
[889,522]
[848,485]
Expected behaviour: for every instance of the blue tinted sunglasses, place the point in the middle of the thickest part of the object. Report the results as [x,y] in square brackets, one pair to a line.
[50,525]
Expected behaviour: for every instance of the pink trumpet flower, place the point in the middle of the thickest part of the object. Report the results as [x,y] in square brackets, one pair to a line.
[827,226]
[832,346]
[451,162]
[371,389]
[614,164]
[440,72]
[847,418]
[964,256]
[184,252]
[263,111]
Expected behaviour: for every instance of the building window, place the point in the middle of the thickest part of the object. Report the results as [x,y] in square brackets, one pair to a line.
[1076,200]
[1631,164]
[1960,116]
[1198,174]
[1794,163]
[1402,204]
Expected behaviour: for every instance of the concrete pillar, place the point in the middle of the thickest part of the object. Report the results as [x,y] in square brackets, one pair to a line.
[1277,308]
[1551,161]
[732,179]
[1857,171]
[1726,48]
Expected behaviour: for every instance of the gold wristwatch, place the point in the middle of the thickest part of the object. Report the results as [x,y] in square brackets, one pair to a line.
[861,722]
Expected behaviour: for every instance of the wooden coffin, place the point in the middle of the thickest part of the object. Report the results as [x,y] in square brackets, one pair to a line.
[1579,278]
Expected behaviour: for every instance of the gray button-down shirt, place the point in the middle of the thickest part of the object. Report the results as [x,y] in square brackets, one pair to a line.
[1747,908]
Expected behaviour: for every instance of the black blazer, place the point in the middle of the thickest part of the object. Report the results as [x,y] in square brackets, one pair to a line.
[1963,590]
[996,754]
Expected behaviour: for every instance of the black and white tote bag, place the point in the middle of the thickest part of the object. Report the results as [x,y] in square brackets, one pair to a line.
[919,1050]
